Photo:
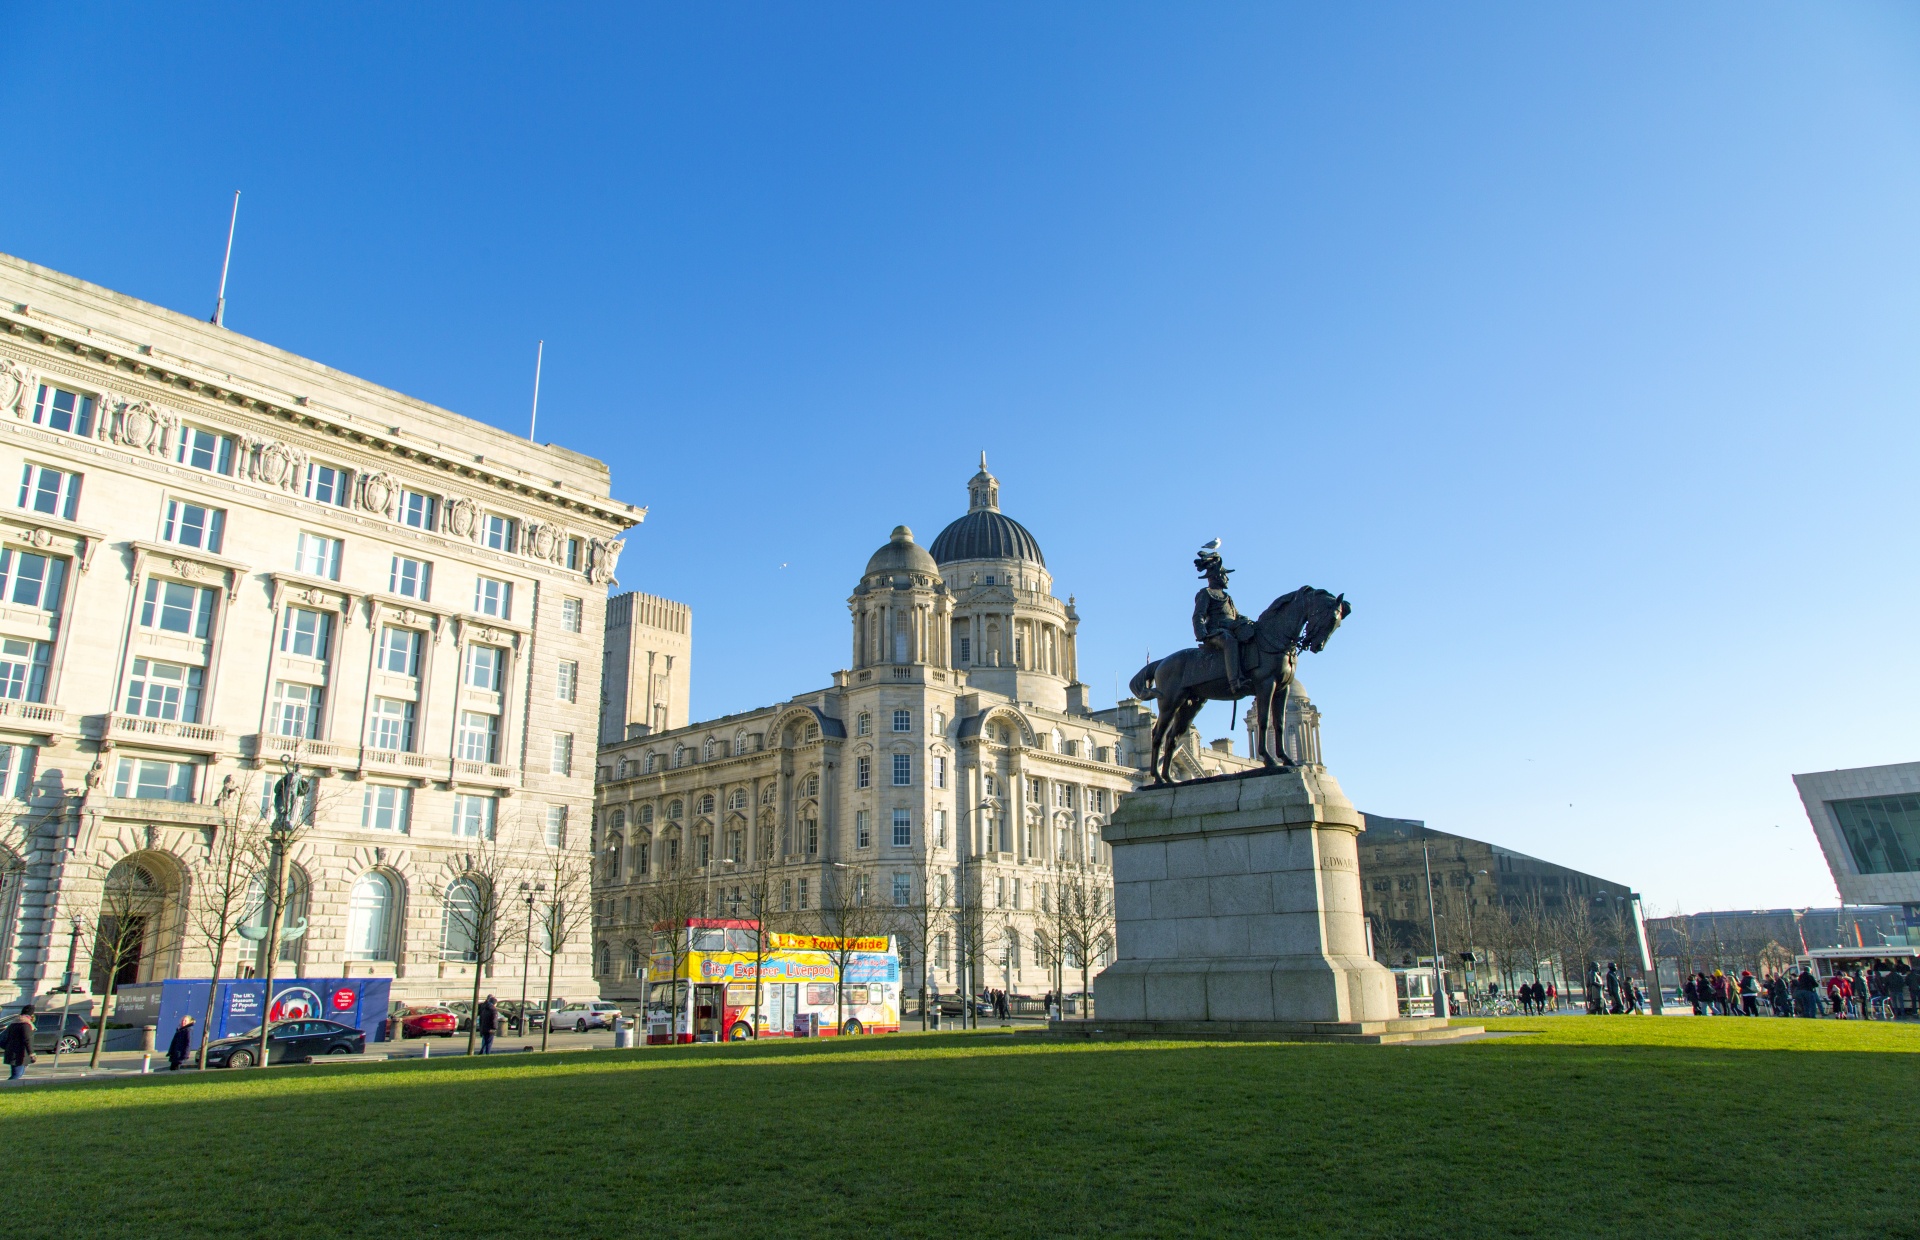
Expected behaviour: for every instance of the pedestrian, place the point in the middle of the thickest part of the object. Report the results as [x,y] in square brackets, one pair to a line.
[1614,1006]
[177,1049]
[1553,995]
[16,1044]
[484,1020]
[1806,994]
[1749,994]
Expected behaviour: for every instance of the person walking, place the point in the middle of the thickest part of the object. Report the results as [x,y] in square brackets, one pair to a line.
[179,1047]
[1749,994]
[484,1020]
[16,1044]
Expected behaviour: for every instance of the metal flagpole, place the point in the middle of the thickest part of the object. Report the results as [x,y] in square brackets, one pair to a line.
[539,354]
[219,318]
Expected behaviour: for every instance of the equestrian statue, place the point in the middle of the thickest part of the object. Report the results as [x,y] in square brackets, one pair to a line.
[1236,657]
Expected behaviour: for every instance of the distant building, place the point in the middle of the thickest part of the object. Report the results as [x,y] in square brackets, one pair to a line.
[648,667]
[1868,823]
[1739,936]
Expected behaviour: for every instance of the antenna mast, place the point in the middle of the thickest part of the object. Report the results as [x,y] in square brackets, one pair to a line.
[533,420]
[219,318]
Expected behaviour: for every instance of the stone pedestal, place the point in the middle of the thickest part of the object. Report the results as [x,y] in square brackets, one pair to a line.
[1237,913]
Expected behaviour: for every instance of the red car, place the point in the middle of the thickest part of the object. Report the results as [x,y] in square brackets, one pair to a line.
[423,1022]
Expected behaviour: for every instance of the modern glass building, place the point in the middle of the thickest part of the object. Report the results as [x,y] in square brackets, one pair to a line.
[1868,823]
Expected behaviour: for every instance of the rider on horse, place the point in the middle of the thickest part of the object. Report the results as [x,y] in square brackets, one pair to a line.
[1216,622]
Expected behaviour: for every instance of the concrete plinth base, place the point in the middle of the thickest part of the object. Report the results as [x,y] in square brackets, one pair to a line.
[1372,1032]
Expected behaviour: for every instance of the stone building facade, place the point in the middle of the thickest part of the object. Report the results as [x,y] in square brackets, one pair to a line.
[954,764]
[644,681]
[221,554]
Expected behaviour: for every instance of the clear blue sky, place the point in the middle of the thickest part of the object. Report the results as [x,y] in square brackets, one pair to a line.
[1577,346]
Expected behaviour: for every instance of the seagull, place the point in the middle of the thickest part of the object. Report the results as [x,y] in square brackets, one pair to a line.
[1212,548]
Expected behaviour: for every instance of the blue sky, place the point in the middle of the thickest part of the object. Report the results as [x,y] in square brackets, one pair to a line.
[1576,345]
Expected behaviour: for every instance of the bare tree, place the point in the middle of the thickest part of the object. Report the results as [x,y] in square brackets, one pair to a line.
[128,928]
[225,881]
[568,878]
[1086,895]
[675,896]
[850,919]
[478,904]
[919,922]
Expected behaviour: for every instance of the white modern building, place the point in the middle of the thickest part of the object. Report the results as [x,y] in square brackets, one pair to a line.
[1867,820]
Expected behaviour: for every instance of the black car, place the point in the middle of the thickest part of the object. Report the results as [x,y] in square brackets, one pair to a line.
[46,1025]
[290,1041]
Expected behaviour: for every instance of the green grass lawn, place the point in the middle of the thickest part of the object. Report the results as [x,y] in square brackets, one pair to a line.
[1617,1126]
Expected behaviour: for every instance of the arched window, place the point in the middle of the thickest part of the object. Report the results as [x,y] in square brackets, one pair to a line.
[988,786]
[863,726]
[460,924]
[675,811]
[370,918]
[614,848]
[812,787]
[1059,741]
[711,750]
[653,760]
[766,795]
[633,959]
[619,819]
[706,803]
[646,815]
[606,960]
[738,800]
[740,743]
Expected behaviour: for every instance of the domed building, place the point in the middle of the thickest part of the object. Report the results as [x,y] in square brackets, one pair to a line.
[953,774]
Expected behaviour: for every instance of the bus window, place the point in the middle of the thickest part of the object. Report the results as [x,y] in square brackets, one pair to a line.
[820,994]
[709,940]
[742,941]
[856,994]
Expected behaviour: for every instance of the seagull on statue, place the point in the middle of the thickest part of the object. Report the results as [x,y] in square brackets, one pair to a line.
[1212,548]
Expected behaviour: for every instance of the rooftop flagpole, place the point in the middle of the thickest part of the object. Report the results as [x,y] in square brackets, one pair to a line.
[533,420]
[219,318]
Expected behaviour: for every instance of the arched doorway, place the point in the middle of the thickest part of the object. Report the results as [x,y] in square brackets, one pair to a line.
[137,927]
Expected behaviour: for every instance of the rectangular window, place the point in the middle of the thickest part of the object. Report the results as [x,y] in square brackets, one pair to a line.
[194,525]
[804,892]
[903,721]
[16,770]
[317,556]
[485,667]
[34,580]
[557,831]
[327,484]
[573,554]
[478,733]
[418,510]
[562,763]
[1882,833]
[147,779]
[570,614]
[174,607]
[157,690]
[567,680]
[939,772]
[386,808]
[201,449]
[786,895]
[863,772]
[903,828]
[399,650]
[473,817]
[862,829]
[1063,795]
[60,410]
[1100,800]
[303,632]
[390,725]
[940,951]
[999,893]
[902,890]
[939,828]
[23,669]
[965,650]
[410,578]
[498,531]
[903,770]
[296,710]
[493,598]
[55,492]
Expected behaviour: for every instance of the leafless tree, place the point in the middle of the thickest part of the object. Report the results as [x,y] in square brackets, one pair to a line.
[920,921]
[676,895]
[128,919]
[228,883]
[568,878]
[1086,897]
[477,901]
[850,918]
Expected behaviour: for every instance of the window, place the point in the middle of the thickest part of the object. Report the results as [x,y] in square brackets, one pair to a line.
[194,525]
[296,710]
[147,779]
[157,690]
[863,772]
[418,510]
[55,492]
[410,578]
[60,410]
[987,785]
[485,665]
[862,829]
[939,772]
[570,614]
[460,921]
[562,753]
[939,828]
[23,669]
[493,598]
[1036,793]
[966,650]
[811,831]
[173,606]
[903,828]
[903,770]
[390,725]
[804,893]
[1099,800]
[498,531]
[902,890]
[786,895]
[370,919]
[703,851]
[206,450]
[573,553]
[903,721]
[327,484]
[478,733]
[940,951]
[386,808]
[40,581]
[1882,833]
[317,556]
[999,893]
[675,810]
[556,836]
[303,631]
[863,726]
[1063,796]
[646,815]
[399,650]
[16,770]
[473,817]
[566,685]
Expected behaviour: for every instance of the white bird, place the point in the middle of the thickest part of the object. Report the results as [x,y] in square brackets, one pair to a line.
[1212,548]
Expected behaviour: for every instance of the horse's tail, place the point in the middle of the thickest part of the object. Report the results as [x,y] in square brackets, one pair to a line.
[1141,686]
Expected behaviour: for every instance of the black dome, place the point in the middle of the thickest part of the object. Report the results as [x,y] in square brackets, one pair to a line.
[985,534]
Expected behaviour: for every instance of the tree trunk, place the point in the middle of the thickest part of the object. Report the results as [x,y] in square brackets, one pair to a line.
[546,1019]
[213,994]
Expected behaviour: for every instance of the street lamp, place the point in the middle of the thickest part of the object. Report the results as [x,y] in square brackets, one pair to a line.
[66,1005]
[287,793]
[526,952]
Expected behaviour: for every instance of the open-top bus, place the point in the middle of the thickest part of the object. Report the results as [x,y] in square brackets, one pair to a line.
[712,995]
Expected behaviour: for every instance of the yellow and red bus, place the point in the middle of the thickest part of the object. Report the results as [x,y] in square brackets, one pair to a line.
[712,996]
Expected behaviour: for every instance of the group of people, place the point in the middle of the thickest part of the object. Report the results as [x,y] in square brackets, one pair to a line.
[1536,998]
[1616,994]
[1877,992]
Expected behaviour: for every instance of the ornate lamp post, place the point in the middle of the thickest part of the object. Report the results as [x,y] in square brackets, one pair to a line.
[526,952]
[288,792]
[66,1005]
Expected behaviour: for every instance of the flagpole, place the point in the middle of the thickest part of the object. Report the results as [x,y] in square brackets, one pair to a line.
[533,420]
[220,305]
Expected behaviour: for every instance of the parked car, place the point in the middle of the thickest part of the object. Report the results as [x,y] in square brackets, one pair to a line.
[580,1017]
[78,1036]
[510,1014]
[462,1012]
[950,1005]
[422,1022]
[290,1041]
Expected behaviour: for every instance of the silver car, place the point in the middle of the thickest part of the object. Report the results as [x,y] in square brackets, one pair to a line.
[580,1017]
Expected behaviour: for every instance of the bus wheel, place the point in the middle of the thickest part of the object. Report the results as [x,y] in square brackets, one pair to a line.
[852,1027]
[739,1033]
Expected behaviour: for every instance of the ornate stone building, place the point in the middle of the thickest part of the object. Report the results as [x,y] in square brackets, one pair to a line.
[221,553]
[954,763]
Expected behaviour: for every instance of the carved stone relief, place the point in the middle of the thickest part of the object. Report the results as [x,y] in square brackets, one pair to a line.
[276,464]
[602,555]
[14,384]
[463,516]
[543,540]
[379,491]
[145,427]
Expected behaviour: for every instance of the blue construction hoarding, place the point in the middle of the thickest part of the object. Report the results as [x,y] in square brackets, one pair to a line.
[357,1001]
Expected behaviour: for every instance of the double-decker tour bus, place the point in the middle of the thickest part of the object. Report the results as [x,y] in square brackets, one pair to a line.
[711,996]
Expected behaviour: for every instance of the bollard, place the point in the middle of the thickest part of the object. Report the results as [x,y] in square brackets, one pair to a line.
[426,1051]
[146,1064]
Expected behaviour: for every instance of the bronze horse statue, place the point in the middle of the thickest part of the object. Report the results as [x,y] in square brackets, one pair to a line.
[1183,682]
